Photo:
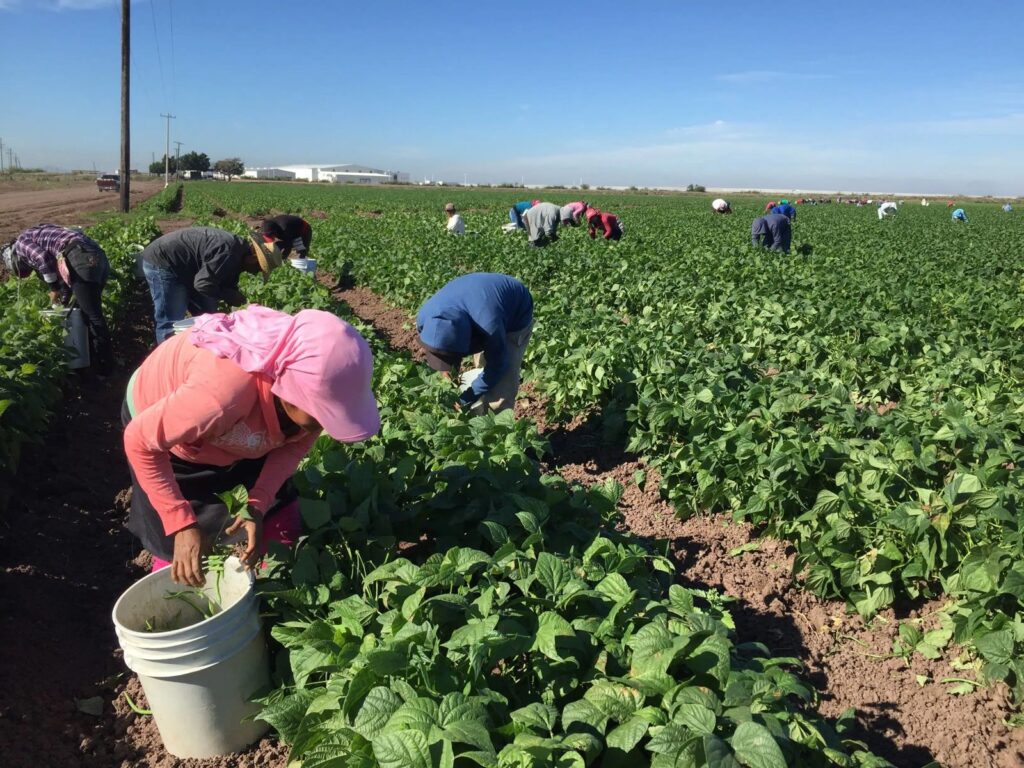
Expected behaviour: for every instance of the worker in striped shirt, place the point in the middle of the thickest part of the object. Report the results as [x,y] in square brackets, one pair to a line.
[71,265]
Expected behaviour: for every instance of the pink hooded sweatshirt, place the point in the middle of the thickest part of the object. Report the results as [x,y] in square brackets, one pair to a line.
[207,396]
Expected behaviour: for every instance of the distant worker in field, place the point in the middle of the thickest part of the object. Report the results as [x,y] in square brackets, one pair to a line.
[456,225]
[194,269]
[579,208]
[924,201]
[786,209]
[887,209]
[72,266]
[485,314]
[769,206]
[1007,208]
[608,223]
[572,213]
[237,400]
[773,232]
[959,215]
[515,213]
[720,206]
[542,222]
[291,234]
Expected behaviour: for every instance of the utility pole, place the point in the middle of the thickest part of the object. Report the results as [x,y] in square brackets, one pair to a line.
[177,159]
[126,163]
[167,148]
[1,155]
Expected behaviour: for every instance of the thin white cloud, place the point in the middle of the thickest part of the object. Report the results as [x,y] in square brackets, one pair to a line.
[758,76]
[1010,124]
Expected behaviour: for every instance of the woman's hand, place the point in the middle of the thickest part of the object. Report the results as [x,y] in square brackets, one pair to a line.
[252,522]
[187,567]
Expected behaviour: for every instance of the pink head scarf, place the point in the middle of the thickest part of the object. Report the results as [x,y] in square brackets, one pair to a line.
[314,360]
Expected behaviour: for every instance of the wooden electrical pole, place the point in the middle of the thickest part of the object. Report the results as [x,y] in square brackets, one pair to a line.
[126,163]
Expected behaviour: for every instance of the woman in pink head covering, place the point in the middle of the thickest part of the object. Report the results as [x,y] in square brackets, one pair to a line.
[238,399]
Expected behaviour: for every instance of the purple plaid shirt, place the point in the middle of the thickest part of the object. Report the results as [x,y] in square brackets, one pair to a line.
[39,247]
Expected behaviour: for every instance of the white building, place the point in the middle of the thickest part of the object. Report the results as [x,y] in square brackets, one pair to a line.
[268,173]
[339,174]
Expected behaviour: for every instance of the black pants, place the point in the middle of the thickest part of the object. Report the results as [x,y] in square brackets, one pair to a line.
[88,269]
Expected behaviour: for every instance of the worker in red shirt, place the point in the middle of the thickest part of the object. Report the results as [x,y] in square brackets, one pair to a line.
[609,222]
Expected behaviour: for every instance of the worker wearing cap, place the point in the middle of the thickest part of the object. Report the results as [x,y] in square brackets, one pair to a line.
[542,222]
[960,215]
[720,206]
[289,233]
[785,209]
[484,314]
[456,225]
[515,213]
[71,265]
[194,269]
[887,208]
[772,232]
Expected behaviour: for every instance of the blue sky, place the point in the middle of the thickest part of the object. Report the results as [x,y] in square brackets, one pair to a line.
[922,95]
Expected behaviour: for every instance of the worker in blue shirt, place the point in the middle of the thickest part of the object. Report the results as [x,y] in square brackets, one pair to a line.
[515,213]
[772,231]
[785,209]
[485,314]
[959,215]
[1007,208]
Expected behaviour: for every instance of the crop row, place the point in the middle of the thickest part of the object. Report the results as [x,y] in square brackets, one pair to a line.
[451,603]
[32,367]
[861,400]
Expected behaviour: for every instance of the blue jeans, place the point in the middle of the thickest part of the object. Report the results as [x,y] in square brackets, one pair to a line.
[170,298]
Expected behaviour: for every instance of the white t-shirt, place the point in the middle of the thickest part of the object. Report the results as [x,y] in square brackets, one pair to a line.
[719,204]
[885,209]
[455,225]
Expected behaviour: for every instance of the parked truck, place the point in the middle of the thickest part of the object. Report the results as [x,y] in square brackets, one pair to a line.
[109,182]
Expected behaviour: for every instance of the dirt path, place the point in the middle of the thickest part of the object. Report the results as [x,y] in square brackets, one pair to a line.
[20,209]
[849,663]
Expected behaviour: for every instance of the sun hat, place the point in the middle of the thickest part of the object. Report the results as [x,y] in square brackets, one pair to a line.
[449,207]
[313,360]
[268,255]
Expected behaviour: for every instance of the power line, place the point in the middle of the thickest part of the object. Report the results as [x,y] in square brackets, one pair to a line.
[170,26]
[159,59]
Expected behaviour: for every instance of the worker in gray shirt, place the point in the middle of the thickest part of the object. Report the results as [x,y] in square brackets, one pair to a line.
[772,232]
[194,269]
[542,222]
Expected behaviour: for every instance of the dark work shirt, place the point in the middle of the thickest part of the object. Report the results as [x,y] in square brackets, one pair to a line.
[207,260]
[772,231]
[290,232]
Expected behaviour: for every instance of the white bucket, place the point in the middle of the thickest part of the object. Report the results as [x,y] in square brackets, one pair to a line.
[180,326]
[305,265]
[76,334]
[198,679]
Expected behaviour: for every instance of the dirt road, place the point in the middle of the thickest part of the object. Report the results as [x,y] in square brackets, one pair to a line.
[20,209]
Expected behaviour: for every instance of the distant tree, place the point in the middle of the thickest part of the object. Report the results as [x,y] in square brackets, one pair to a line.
[157,166]
[194,161]
[695,188]
[232,166]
